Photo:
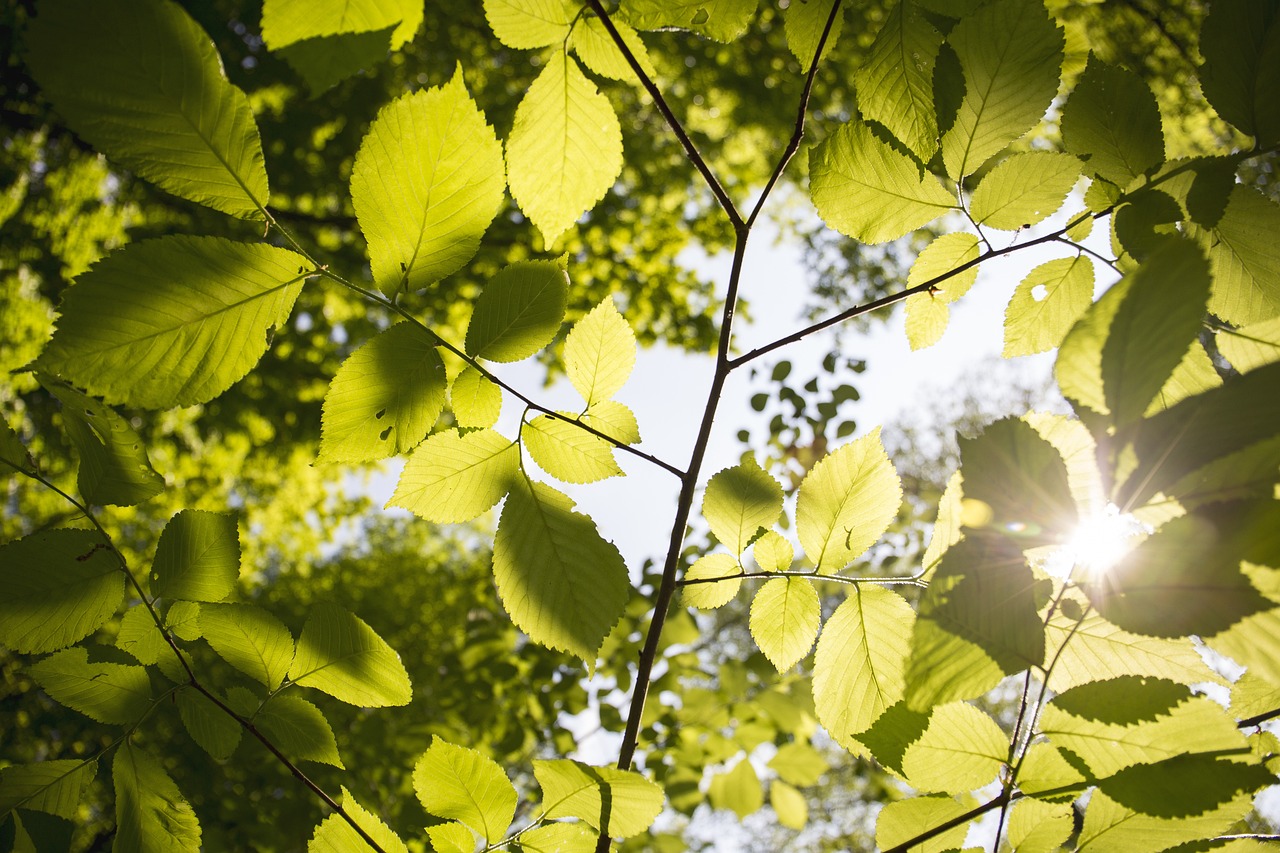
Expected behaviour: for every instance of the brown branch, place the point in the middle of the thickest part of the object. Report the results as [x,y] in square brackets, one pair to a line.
[810,576]
[999,801]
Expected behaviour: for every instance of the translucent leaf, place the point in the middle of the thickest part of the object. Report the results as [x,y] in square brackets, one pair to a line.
[722,20]
[173,321]
[900,821]
[892,733]
[858,667]
[803,24]
[1186,578]
[12,451]
[1184,785]
[454,477]
[385,397]
[799,764]
[141,82]
[527,24]
[1251,346]
[866,189]
[454,837]
[739,501]
[565,149]
[773,552]
[614,420]
[1112,123]
[1252,695]
[947,529]
[140,637]
[1195,374]
[107,692]
[708,596]
[1024,189]
[926,321]
[298,727]
[1254,642]
[846,502]
[114,468]
[1039,827]
[1078,368]
[518,312]
[1044,770]
[940,257]
[1046,304]
[1110,826]
[1243,258]
[1011,54]
[183,620]
[59,587]
[476,402]
[52,787]
[895,84]
[961,750]
[457,783]
[325,61]
[342,656]
[198,557]
[426,183]
[600,353]
[597,50]
[785,614]
[560,581]
[789,804]
[1016,482]
[285,22]
[574,789]
[250,639]
[738,790]
[335,835]
[209,726]
[568,452]
[151,813]
[1241,51]
[555,838]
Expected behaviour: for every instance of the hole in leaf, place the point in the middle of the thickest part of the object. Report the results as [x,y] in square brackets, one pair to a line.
[1039,293]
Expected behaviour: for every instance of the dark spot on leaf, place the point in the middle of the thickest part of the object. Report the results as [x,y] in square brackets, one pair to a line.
[380,413]
[383,435]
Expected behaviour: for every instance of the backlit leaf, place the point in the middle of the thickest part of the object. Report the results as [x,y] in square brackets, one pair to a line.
[599,353]
[518,312]
[1018,481]
[457,783]
[568,452]
[173,321]
[454,837]
[285,22]
[1254,642]
[426,183]
[52,787]
[455,477]
[554,838]
[1195,374]
[209,726]
[143,83]
[250,639]
[298,728]
[799,763]
[1243,258]
[789,804]
[784,620]
[722,20]
[1046,304]
[738,790]
[560,581]
[574,789]
[1241,60]
[892,734]
[903,820]
[107,692]
[895,84]
[526,24]
[598,51]
[198,557]
[342,656]
[803,24]
[1024,189]
[739,501]
[614,420]
[946,253]
[325,61]
[926,321]
[476,402]
[335,835]
[565,150]
[1112,123]
[140,637]
[1184,785]
[1251,346]
[712,594]
[961,749]
[773,552]
[151,813]
[1110,826]
[59,587]
[1039,827]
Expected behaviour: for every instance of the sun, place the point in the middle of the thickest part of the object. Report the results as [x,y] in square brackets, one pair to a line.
[1099,542]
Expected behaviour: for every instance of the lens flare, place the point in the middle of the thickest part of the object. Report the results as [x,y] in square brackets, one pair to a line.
[1098,544]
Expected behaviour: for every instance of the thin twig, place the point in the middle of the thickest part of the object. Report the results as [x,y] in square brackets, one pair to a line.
[1000,799]
[810,576]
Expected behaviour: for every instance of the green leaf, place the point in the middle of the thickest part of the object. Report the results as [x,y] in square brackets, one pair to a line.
[977,623]
[560,581]
[1240,42]
[962,749]
[183,620]
[901,821]
[454,477]
[209,726]
[739,501]
[335,835]
[475,400]
[574,789]
[892,733]
[866,189]
[1242,255]
[1195,374]
[527,24]
[340,655]
[1186,578]
[285,22]
[708,596]
[846,502]
[1024,189]
[1046,304]
[1044,769]
[614,420]
[457,783]
[114,468]
[141,82]
[151,813]
[1110,826]
[52,787]
[1252,346]
[455,837]
[895,84]
[773,553]
[598,51]
[326,61]
[738,790]
[59,587]
[1112,123]
[722,20]
[568,452]
[1254,642]
[198,557]
[107,692]
[518,312]
[785,614]
[1011,54]
[926,320]
[858,667]
[799,764]
[426,183]
[295,725]
[946,253]
[565,149]
[600,353]
[173,321]
[12,451]
[789,804]
[250,639]
[1017,481]
[552,838]
[803,25]
[385,397]
[1078,368]
[1184,785]
[140,637]
[1039,827]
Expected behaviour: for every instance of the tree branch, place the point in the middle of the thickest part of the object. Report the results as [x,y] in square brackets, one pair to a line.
[810,576]
[999,801]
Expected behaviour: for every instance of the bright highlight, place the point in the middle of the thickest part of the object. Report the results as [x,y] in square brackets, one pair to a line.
[1098,544]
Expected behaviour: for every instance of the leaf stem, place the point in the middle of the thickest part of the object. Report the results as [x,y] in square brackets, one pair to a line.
[812,576]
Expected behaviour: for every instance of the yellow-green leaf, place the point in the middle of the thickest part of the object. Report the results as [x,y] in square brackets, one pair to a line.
[527,24]
[926,321]
[151,813]
[1046,304]
[895,83]
[335,835]
[568,452]
[250,639]
[739,501]
[773,552]
[107,692]
[341,655]
[476,402]
[574,789]
[198,557]
[712,594]
[1024,189]
[518,312]
[803,24]
[461,784]
[738,790]
[961,750]
[599,52]
[946,253]
[454,477]
[785,614]
[599,353]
